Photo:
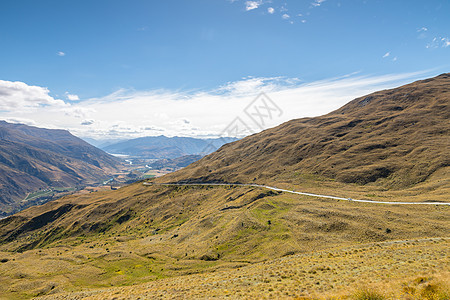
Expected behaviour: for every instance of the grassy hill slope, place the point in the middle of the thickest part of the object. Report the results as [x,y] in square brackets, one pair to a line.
[393,138]
[142,233]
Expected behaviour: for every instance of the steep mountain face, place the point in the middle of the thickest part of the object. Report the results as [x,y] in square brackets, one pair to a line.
[162,147]
[396,137]
[33,158]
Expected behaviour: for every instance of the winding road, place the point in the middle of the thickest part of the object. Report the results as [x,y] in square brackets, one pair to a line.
[299,193]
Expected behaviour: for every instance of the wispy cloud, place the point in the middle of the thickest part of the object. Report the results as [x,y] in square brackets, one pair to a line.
[250,5]
[422,32]
[129,113]
[317,3]
[439,42]
[388,54]
[249,85]
[281,8]
[21,121]
[60,53]
[446,42]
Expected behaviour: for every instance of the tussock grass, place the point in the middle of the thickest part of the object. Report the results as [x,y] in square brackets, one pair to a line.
[368,294]
[427,288]
[327,274]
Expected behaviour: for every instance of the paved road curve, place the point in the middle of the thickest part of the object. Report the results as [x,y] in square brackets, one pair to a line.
[302,193]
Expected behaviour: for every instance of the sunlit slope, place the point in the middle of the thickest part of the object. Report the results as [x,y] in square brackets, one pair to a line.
[141,233]
[392,138]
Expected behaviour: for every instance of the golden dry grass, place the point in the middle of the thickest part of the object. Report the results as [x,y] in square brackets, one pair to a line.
[415,269]
[143,233]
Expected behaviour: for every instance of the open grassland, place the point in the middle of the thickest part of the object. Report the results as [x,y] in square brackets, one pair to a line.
[414,269]
[48,192]
[435,189]
[156,234]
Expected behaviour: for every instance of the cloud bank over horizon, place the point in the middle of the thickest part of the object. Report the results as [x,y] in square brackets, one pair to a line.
[128,113]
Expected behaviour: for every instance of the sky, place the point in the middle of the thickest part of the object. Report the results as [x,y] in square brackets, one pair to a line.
[110,69]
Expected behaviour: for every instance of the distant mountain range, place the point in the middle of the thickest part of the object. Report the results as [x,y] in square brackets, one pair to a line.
[162,147]
[102,143]
[34,158]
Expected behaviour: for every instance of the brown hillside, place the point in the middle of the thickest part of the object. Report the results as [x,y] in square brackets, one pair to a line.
[396,138]
[32,158]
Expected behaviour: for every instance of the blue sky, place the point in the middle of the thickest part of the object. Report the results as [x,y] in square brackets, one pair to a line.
[86,50]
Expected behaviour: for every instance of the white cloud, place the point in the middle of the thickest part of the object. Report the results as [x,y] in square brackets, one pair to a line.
[317,3]
[432,44]
[250,5]
[78,111]
[87,122]
[445,42]
[285,16]
[387,54]
[129,113]
[60,53]
[394,59]
[250,84]
[21,121]
[72,97]
[271,10]
[19,96]
[439,42]
[422,32]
